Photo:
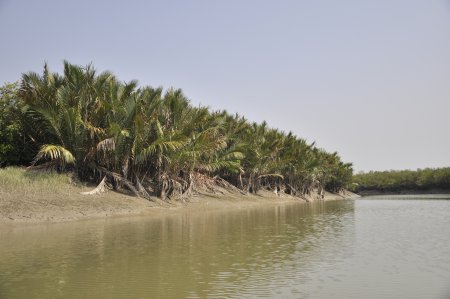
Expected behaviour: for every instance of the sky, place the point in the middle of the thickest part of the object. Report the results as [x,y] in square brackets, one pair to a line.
[368,79]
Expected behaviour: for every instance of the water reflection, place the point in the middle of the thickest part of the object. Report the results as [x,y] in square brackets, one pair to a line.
[367,248]
[256,252]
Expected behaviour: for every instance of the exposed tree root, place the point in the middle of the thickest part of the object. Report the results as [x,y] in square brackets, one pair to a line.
[142,190]
[203,183]
[101,188]
[118,178]
[223,183]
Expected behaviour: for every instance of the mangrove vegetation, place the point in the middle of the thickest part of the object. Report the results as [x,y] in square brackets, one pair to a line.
[409,181]
[150,141]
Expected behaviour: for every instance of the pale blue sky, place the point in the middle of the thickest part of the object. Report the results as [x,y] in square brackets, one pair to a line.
[369,79]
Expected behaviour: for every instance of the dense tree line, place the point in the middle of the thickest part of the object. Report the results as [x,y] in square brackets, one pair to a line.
[404,180]
[149,141]
[15,148]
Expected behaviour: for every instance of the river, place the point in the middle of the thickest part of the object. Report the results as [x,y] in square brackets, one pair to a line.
[389,247]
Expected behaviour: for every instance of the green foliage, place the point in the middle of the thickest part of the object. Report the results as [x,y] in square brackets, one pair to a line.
[403,180]
[142,137]
[15,147]
[55,153]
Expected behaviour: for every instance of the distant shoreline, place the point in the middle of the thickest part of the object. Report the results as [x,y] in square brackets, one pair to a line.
[403,192]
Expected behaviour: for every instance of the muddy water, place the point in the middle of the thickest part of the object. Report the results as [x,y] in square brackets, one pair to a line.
[367,248]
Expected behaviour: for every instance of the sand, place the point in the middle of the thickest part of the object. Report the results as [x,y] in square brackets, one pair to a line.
[68,204]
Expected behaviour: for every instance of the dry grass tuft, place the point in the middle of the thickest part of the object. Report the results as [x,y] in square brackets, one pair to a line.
[19,182]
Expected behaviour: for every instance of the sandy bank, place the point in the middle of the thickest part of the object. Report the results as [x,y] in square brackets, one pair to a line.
[25,199]
[71,206]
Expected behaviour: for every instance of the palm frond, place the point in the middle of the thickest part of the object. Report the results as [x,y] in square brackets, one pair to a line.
[160,145]
[55,152]
[232,166]
[106,145]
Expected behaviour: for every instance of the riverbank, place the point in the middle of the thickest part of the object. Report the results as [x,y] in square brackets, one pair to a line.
[29,197]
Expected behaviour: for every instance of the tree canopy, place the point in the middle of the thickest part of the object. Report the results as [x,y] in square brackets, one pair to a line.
[148,140]
[403,180]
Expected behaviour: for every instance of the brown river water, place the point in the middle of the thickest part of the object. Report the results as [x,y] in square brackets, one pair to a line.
[373,247]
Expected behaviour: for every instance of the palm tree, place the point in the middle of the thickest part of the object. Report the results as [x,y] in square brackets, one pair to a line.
[106,130]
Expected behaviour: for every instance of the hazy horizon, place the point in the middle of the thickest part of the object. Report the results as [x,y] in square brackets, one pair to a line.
[367,79]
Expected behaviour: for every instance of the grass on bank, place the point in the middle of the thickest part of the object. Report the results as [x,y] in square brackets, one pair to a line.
[46,196]
[18,181]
